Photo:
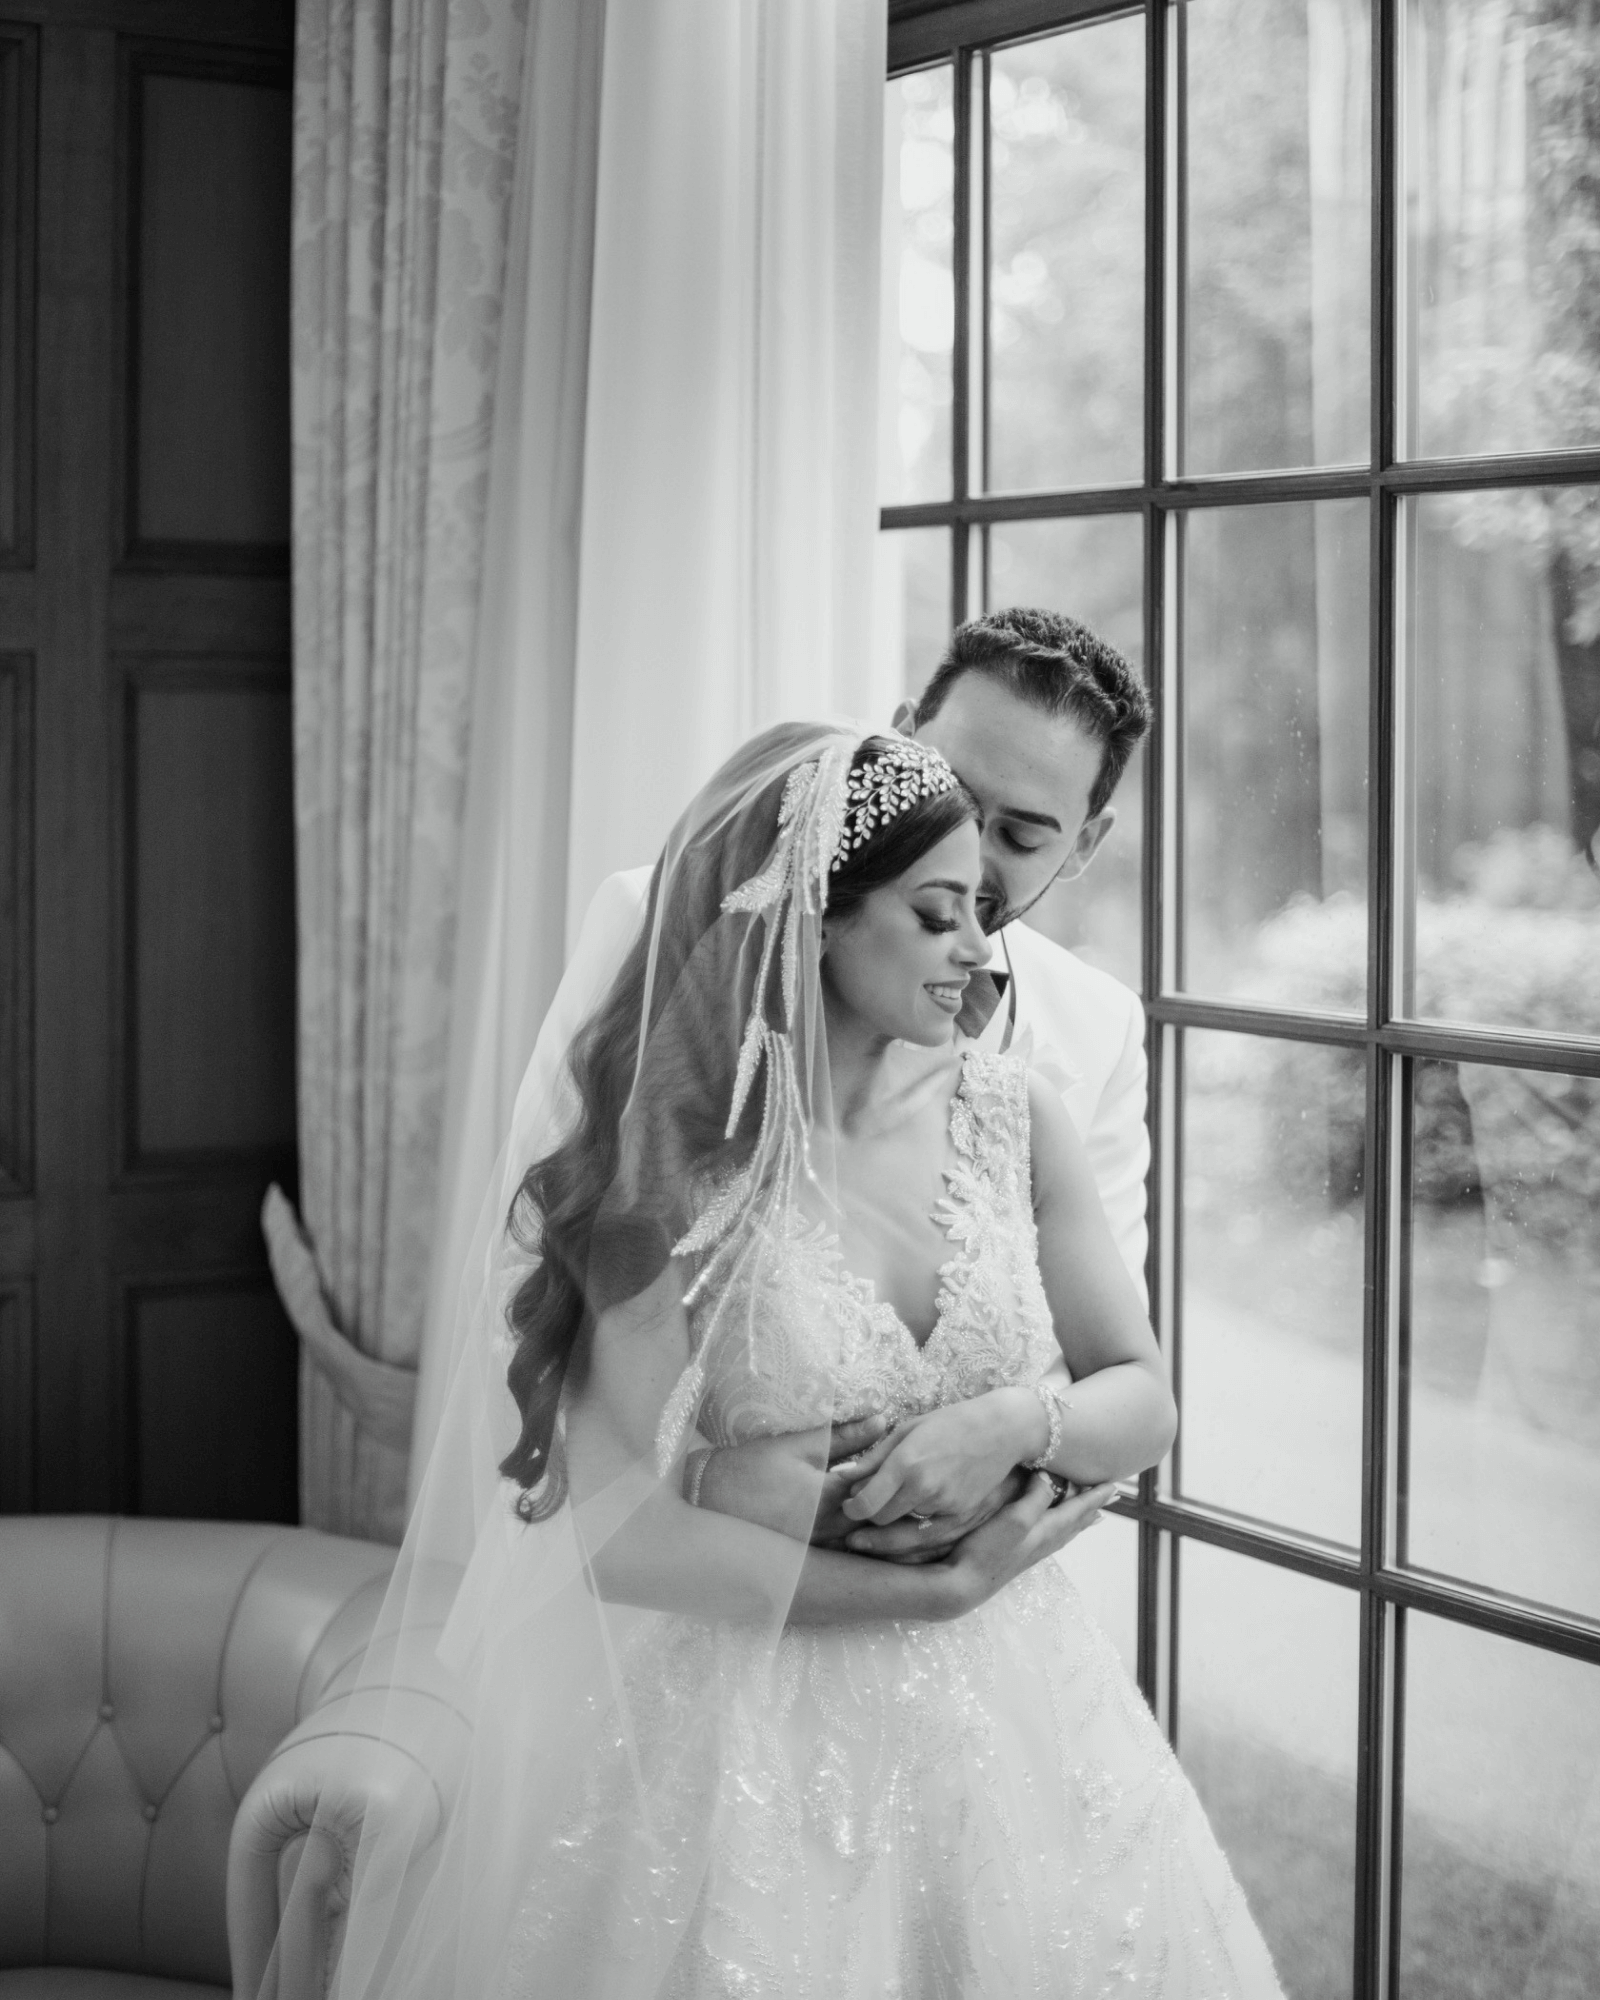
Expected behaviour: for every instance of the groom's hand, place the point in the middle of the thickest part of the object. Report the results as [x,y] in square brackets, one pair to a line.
[910,1541]
[790,1482]
[1036,1526]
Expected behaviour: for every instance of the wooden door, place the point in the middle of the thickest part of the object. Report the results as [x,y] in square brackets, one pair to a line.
[147,1090]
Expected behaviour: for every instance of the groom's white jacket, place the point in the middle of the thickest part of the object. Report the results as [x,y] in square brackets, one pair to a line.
[1080,1028]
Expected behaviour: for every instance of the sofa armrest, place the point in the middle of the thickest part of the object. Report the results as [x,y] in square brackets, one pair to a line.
[390,1754]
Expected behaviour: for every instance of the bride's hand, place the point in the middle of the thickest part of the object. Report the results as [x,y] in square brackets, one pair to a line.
[927,1540]
[1016,1538]
[944,1463]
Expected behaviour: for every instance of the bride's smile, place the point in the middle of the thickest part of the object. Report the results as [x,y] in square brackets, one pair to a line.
[896,963]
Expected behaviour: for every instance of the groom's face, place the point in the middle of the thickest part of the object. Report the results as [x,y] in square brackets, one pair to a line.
[1031,773]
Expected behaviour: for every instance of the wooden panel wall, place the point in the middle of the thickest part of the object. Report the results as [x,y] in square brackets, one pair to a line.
[210,910]
[208,464]
[16,920]
[19,79]
[146,846]
[19,86]
[221,1349]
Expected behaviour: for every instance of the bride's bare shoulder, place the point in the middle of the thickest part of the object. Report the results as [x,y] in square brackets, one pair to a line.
[1056,1153]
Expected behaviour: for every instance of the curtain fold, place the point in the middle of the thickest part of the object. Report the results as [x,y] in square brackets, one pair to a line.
[729,502]
[405,133]
[693,559]
[513,876]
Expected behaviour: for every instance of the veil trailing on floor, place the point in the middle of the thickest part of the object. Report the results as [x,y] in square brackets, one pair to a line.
[494,1712]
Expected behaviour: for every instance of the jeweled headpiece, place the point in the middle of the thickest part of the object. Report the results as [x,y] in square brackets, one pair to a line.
[886,784]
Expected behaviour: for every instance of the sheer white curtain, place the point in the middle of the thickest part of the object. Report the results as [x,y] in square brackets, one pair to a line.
[693,559]
[730,461]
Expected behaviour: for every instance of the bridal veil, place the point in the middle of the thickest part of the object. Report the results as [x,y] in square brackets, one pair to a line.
[495,1686]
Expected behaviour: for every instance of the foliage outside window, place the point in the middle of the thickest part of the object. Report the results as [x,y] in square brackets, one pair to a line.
[1264,335]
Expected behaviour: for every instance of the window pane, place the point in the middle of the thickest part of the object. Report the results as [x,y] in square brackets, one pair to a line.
[1505,1330]
[1089,566]
[911,605]
[919,287]
[1278,123]
[1274,693]
[1502,282]
[1502,1828]
[1271,1280]
[1267,1731]
[1092,569]
[1066,280]
[1104,1566]
[1503,640]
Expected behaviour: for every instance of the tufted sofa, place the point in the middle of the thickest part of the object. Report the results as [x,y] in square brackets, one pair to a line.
[149,1671]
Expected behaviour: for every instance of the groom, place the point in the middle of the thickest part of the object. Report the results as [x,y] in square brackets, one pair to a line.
[1038,717]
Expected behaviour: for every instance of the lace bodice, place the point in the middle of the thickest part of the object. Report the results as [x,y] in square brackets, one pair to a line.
[830,1349]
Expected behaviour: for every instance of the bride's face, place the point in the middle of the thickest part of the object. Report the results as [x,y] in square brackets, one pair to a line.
[900,963]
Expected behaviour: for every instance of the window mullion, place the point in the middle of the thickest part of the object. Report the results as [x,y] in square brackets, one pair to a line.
[960,355]
[983,210]
[1157,1607]
[1171,272]
[1379,1742]
[1377,1799]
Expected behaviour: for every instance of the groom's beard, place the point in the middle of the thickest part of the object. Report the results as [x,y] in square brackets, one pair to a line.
[994,912]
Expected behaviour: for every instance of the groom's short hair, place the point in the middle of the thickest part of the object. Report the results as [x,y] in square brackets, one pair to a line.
[1059,666]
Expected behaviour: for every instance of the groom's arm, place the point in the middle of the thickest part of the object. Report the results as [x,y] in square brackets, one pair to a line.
[1118,1145]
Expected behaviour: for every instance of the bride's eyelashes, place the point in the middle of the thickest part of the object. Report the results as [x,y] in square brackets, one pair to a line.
[936,923]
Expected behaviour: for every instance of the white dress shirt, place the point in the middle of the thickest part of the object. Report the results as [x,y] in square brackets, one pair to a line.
[1080,1028]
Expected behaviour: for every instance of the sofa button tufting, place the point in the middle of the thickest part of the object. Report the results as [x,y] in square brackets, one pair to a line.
[149,1812]
[216,1724]
[51,1815]
[106,1711]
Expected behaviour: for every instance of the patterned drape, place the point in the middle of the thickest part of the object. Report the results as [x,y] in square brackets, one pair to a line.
[406,117]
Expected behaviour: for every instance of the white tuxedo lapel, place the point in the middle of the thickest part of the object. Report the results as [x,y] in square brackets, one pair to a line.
[1085,1035]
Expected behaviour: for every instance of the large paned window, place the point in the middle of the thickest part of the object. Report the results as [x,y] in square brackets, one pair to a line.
[1264,336]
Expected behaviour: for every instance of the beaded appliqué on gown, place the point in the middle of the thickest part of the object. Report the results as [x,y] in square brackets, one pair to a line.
[832,1350]
[894,1811]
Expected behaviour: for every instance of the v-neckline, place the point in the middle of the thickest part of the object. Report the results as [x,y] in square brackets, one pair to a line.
[865,1290]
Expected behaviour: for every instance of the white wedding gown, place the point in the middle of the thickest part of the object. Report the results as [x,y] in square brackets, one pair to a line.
[896,1811]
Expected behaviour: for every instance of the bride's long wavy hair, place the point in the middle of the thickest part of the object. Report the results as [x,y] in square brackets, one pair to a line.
[602,1210]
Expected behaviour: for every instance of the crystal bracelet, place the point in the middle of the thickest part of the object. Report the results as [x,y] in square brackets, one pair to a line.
[1055,1407]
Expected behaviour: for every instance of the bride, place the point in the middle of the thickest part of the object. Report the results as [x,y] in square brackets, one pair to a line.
[693,1755]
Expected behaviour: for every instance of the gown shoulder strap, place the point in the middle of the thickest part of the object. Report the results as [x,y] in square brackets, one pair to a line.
[989,1120]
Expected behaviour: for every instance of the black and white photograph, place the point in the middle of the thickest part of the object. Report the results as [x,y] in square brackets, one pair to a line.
[799,999]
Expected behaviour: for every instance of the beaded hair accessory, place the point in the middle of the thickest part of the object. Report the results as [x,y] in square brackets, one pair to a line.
[886,785]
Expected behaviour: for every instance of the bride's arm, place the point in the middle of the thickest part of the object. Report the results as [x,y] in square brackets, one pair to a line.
[1118,1415]
[648,1547]
[1121,1416]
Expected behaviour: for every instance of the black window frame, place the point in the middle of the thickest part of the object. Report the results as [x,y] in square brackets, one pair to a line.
[925,33]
